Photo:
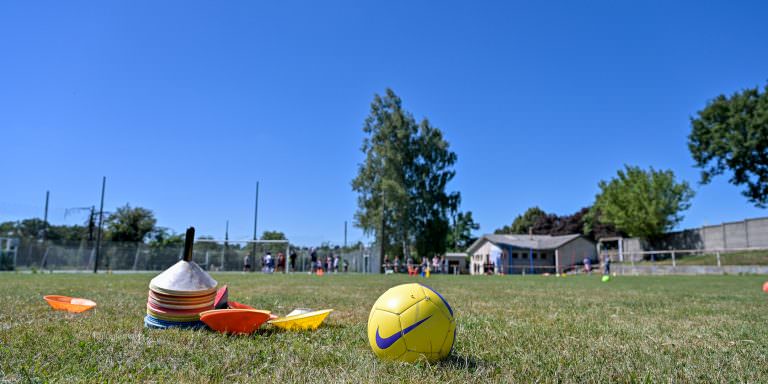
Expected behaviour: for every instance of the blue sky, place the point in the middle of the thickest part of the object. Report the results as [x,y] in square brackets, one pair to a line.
[184,105]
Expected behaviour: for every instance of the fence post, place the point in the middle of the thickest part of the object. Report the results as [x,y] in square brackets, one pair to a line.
[136,257]
[719,265]
[674,263]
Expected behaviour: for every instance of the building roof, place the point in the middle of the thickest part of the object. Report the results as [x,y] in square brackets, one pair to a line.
[538,242]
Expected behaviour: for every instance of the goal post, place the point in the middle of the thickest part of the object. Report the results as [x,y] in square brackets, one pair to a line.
[224,255]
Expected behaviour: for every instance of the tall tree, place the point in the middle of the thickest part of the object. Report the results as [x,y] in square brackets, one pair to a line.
[130,224]
[383,179]
[430,202]
[731,133]
[642,203]
[401,184]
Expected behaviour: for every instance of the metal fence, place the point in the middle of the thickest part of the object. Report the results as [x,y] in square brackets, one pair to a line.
[752,260]
[23,254]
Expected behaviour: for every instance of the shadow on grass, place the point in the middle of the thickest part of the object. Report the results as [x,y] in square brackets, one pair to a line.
[462,362]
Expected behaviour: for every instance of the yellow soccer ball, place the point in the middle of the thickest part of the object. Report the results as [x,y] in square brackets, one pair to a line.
[410,321]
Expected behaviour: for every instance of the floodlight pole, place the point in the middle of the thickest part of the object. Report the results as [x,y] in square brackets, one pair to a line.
[98,232]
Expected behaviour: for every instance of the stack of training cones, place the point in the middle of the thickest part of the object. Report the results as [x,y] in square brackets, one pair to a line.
[180,293]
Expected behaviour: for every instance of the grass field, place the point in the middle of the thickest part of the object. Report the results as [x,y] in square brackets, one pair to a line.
[510,329]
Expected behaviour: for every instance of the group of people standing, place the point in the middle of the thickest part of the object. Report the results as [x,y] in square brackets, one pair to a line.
[434,265]
[270,264]
[331,263]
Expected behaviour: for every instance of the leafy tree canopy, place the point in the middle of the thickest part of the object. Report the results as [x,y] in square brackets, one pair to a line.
[731,133]
[130,224]
[460,237]
[642,203]
[523,222]
[543,223]
[273,235]
[165,237]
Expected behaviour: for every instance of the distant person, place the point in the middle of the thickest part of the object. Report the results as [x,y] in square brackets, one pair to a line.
[313,261]
[328,262]
[410,267]
[268,263]
[336,264]
[280,262]
[436,264]
[346,266]
[246,263]
[587,265]
[607,265]
[396,264]
[292,259]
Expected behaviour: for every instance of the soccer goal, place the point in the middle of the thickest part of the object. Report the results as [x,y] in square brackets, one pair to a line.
[244,255]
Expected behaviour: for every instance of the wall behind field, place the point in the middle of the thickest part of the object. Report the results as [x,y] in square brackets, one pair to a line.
[749,233]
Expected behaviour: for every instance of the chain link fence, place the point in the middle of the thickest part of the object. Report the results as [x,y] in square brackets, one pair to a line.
[34,255]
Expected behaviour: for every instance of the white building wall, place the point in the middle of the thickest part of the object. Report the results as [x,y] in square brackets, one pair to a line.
[481,256]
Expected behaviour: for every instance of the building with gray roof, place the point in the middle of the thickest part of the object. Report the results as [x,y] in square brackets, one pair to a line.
[517,254]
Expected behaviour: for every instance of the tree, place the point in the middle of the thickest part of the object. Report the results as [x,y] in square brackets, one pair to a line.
[273,235]
[460,237]
[642,203]
[731,133]
[70,233]
[8,228]
[162,237]
[130,224]
[31,228]
[429,201]
[523,222]
[401,183]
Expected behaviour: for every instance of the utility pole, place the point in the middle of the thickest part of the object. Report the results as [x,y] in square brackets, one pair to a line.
[256,221]
[45,216]
[256,214]
[101,220]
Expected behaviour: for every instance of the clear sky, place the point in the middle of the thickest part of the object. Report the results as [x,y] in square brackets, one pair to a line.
[184,105]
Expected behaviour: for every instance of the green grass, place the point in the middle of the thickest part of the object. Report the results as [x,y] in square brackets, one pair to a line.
[510,329]
[733,258]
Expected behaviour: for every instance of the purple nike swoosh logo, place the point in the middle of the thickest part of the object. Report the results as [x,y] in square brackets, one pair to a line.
[386,342]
